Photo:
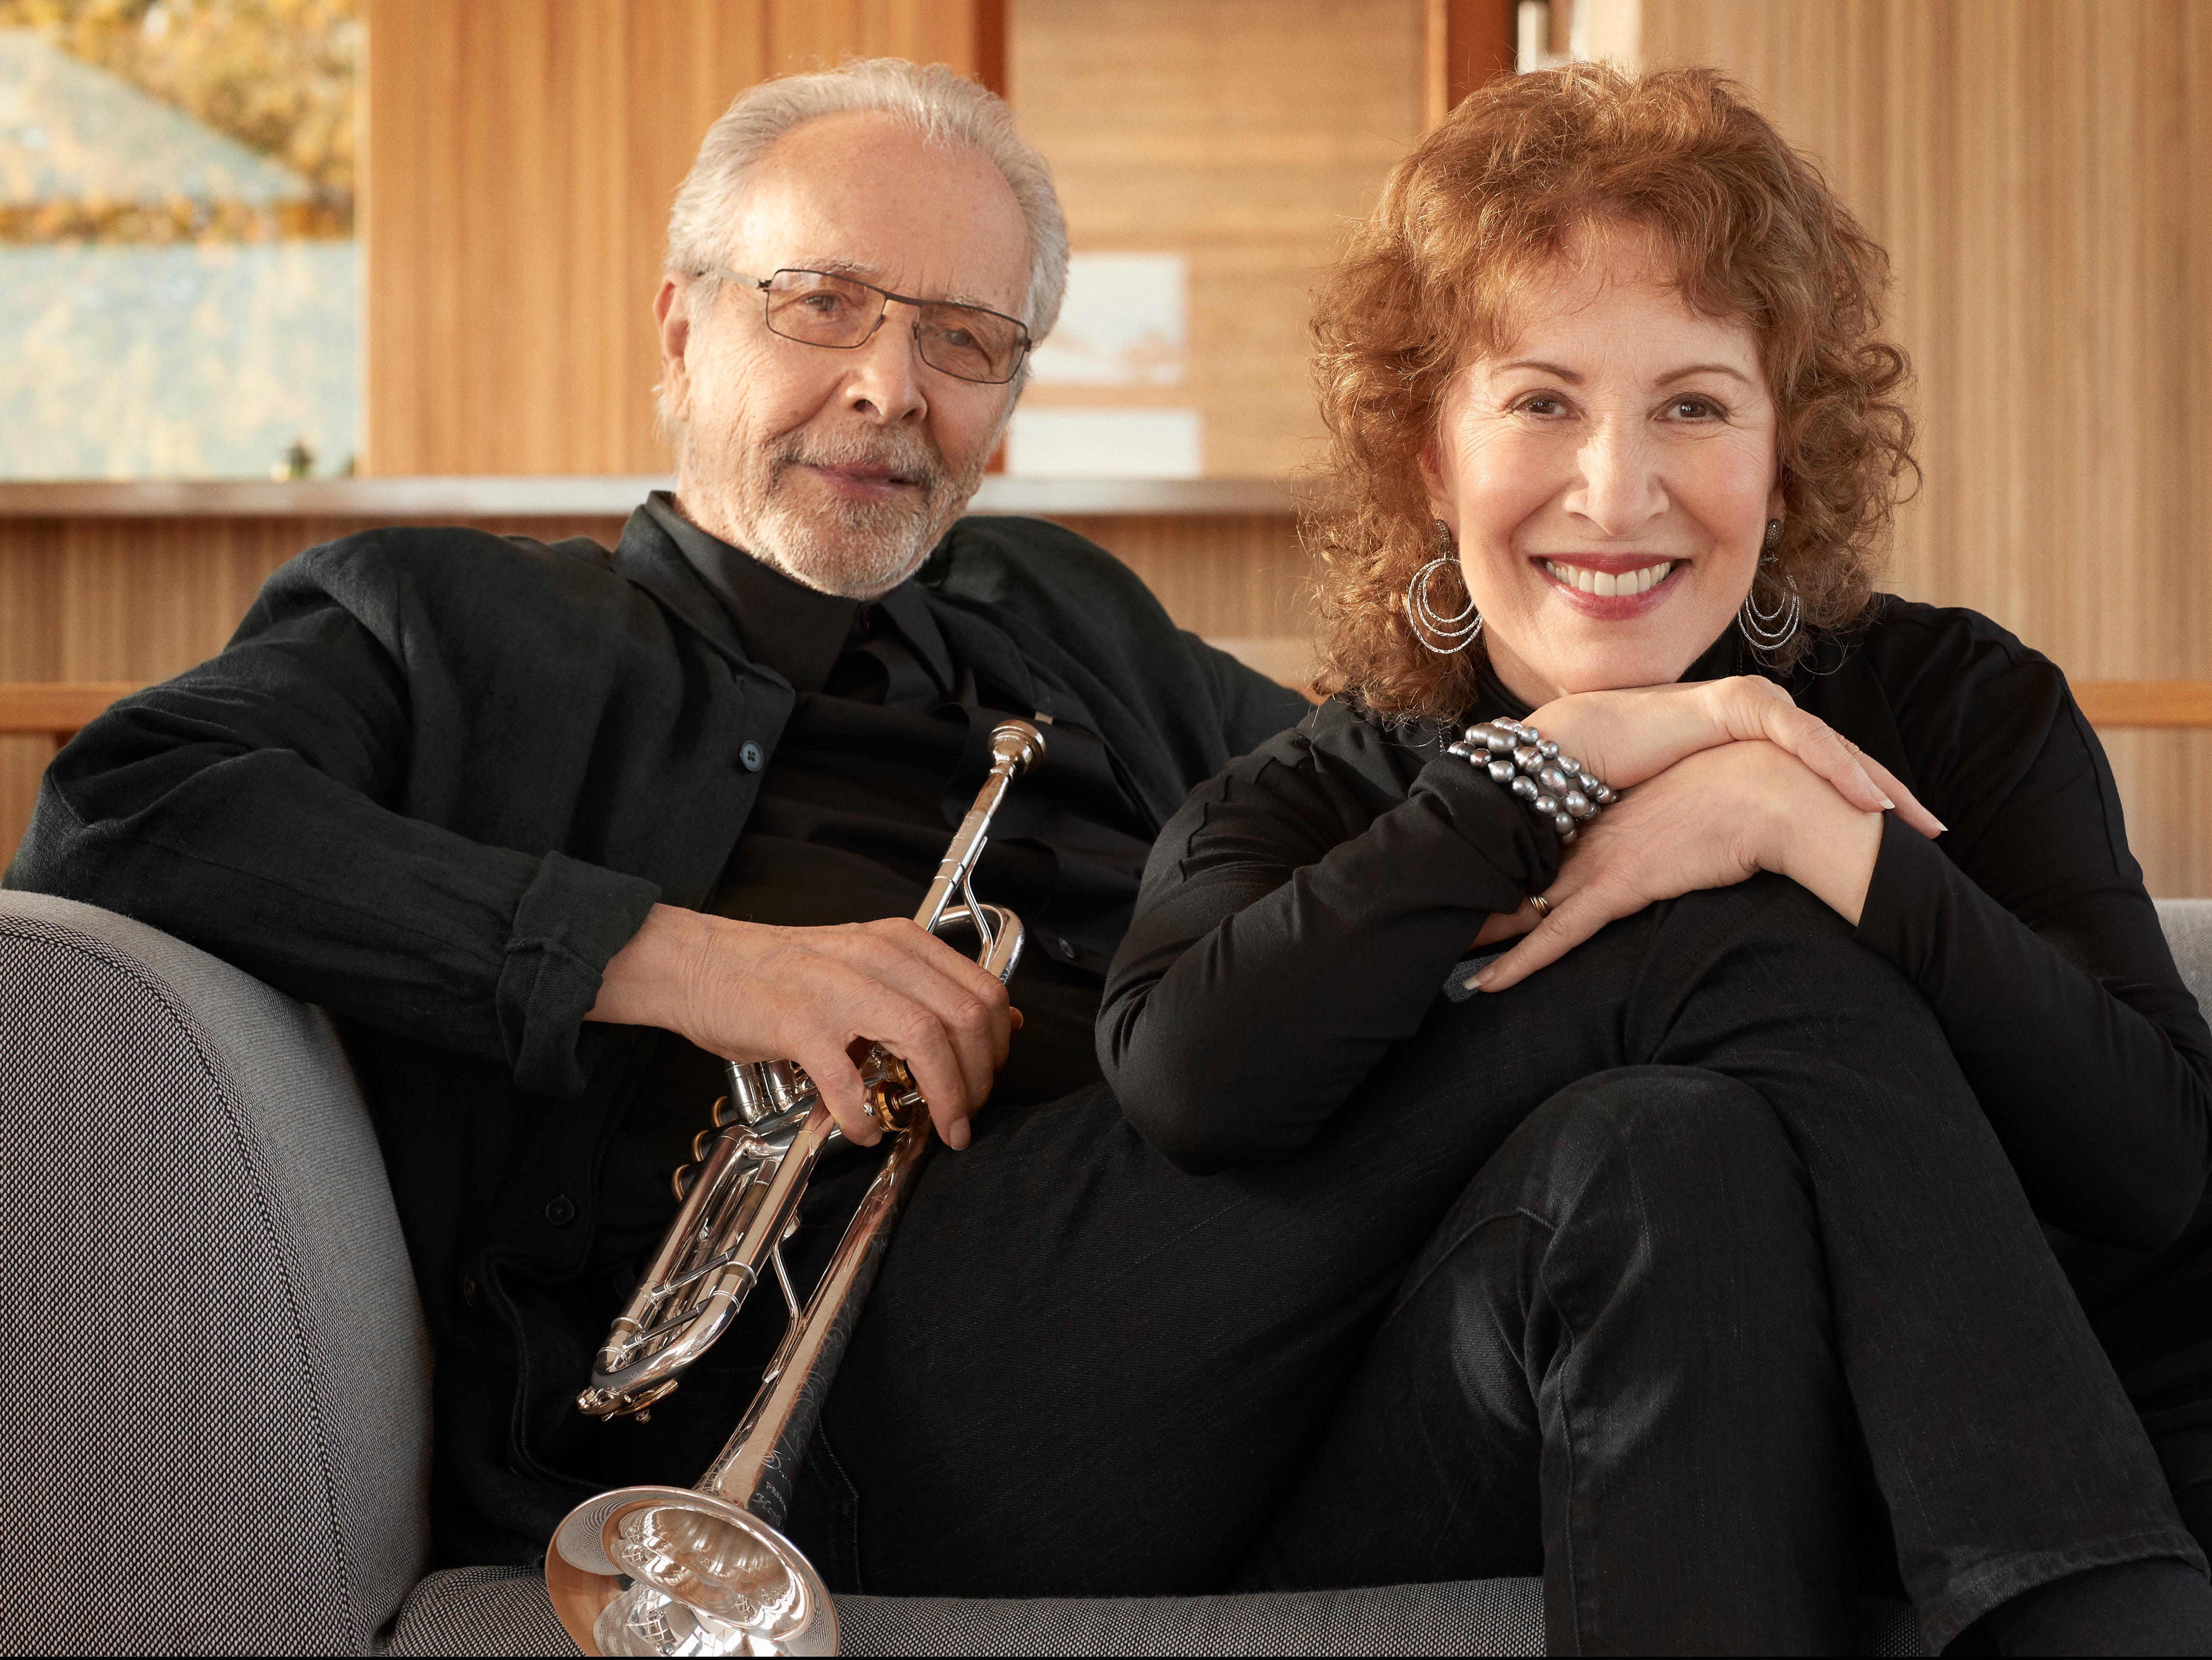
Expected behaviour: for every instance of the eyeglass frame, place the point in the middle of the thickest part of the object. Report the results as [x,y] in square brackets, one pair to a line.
[761,286]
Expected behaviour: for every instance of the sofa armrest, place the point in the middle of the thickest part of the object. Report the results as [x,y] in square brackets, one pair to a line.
[217,1438]
[2187,925]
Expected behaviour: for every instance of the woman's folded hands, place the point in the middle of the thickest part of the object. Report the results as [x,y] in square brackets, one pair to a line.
[1723,778]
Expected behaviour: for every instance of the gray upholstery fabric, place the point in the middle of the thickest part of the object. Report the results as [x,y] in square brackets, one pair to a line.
[200,1268]
[478,1611]
[1496,1617]
[221,1411]
[504,1611]
[2187,925]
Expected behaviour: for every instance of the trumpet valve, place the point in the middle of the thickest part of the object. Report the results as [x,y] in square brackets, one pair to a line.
[893,1096]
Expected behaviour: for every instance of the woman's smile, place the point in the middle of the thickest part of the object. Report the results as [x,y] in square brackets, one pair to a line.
[1610,586]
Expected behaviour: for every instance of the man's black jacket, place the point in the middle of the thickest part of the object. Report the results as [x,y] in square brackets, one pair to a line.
[438,778]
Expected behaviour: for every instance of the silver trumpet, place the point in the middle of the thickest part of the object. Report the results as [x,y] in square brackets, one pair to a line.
[705,1570]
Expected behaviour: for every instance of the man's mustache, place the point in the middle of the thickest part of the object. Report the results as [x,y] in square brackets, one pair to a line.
[907,457]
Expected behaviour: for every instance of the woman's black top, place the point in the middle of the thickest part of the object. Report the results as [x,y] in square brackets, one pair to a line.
[1301,912]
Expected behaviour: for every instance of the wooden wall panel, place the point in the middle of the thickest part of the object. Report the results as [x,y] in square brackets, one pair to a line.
[520,158]
[2035,168]
[1239,577]
[1245,134]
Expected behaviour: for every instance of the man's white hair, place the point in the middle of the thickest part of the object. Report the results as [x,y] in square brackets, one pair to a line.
[939,105]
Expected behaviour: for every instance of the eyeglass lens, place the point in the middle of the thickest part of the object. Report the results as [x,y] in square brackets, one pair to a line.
[823,310]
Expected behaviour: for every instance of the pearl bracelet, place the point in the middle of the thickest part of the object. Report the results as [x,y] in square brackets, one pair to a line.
[1555,787]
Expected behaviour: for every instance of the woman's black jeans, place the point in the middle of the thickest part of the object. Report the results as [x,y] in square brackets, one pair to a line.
[1595,1275]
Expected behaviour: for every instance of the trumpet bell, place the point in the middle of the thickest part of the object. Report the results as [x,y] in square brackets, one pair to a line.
[673,1571]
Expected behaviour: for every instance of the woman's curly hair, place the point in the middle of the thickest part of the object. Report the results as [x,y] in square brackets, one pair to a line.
[1492,198]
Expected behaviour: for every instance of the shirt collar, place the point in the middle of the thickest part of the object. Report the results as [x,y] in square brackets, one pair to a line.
[787,626]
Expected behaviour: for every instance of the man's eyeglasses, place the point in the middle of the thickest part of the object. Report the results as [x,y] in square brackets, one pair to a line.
[820,308]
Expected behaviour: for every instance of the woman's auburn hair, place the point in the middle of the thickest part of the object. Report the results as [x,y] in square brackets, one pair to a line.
[1525,169]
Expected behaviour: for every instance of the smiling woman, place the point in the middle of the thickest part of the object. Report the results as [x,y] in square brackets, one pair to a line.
[1616,440]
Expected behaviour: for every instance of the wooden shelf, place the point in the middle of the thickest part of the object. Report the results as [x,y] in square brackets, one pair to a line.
[59,708]
[463,497]
[2145,702]
[56,708]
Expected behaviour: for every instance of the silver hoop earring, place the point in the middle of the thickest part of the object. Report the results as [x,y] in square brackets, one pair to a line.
[1441,634]
[1769,628]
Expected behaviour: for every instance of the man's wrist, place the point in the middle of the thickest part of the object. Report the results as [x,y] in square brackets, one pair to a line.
[647,981]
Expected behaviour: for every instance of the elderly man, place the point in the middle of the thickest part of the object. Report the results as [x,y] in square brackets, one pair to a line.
[552,828]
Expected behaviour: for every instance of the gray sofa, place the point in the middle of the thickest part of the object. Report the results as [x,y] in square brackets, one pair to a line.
[214,1381]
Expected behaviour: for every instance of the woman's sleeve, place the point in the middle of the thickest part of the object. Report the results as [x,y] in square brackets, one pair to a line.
[2029,930]
[1293,924]
[246,806]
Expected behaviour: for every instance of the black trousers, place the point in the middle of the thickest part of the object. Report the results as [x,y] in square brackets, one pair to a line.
[1614,1272]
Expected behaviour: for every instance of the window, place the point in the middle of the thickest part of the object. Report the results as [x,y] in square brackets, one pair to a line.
[179,285]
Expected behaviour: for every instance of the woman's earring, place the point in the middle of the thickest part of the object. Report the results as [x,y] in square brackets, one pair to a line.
[1441,635]
[1770,627]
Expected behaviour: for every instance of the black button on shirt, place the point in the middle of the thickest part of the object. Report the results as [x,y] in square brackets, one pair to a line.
[887,743]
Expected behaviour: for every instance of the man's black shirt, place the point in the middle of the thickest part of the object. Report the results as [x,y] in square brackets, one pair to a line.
[886,745]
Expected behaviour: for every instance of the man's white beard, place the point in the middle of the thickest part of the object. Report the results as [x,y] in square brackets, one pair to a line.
[827,542]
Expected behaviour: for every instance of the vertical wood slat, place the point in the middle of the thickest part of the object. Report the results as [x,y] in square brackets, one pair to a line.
[521,158]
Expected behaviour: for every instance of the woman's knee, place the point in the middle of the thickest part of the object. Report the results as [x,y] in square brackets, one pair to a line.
[1653,1199]
[1676,1161]
[1663,1128]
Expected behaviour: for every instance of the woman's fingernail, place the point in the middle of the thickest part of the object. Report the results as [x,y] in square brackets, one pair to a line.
[1017,1017]
[1888,805]
[1942,829]
[1481,980]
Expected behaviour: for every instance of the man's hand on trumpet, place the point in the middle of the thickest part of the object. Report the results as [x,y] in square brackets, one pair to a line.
[747,991]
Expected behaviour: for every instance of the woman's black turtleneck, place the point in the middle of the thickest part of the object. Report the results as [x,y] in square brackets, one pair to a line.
[1299,914]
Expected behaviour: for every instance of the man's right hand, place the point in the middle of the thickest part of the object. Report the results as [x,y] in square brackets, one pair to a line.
[746,991]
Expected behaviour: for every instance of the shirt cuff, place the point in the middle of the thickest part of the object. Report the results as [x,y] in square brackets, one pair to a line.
[1903,916]
[1495,824]
[573,917]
